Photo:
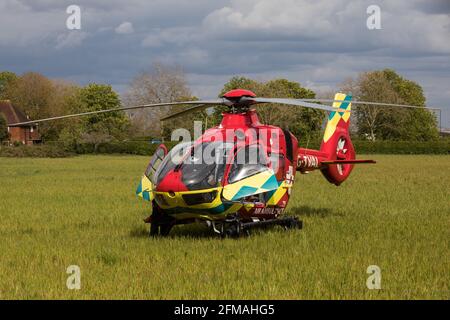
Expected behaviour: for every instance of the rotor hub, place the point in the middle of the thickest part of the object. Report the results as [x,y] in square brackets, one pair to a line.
[239,100]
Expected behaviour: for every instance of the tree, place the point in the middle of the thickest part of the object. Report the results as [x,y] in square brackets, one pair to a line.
[6,79]
[3,128]
[31,92]
[391,123]
[160,84]
[103,126]
[97,128]
[61,101]
[302,122]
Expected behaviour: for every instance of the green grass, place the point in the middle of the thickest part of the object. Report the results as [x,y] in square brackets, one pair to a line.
[82,211]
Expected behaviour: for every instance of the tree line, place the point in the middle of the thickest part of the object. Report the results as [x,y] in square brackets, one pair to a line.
[41,97]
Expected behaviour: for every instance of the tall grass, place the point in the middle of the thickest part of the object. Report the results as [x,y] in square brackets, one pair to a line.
[83,211]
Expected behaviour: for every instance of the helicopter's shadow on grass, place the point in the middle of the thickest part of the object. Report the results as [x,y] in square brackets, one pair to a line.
[306,211]
[198,231]
[185,231]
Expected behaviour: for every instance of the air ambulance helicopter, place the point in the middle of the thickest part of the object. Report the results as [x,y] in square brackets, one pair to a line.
[239,175]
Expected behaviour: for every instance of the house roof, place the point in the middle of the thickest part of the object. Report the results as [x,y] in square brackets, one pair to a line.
[12,113]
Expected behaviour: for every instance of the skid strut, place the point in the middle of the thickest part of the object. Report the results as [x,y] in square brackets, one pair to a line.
[234,227]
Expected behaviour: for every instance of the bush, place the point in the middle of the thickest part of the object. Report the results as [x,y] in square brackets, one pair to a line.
[441,146]
[37,151]
[57,149]
[122,147]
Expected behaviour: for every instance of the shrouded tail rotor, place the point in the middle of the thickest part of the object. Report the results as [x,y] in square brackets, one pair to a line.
[337,143]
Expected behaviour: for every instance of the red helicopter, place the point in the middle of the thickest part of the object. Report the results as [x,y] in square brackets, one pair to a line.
[239,175]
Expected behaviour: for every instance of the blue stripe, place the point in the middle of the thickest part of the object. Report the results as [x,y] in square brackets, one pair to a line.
[271,183]
[139,188]
[146,195]
[344,105]
[244,191]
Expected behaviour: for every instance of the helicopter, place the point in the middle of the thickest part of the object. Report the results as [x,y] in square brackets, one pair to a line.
[239,175]
[248,179]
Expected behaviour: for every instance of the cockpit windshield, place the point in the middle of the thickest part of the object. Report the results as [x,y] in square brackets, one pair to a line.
[205,166]
[248,161]
[173,159]
[202,166]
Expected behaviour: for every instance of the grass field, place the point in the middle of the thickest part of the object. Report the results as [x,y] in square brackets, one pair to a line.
[83,211]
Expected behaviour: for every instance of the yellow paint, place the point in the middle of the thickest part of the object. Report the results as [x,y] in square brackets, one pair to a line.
[255,181]
[333,122]
[176,200]
[146,186]
[276,197]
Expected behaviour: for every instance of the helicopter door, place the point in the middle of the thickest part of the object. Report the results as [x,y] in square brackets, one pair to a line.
[145,188]
[249,174]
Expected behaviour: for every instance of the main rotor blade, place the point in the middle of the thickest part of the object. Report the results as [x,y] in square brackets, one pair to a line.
[206,102]
[177,114]
[298,102]
[382,104]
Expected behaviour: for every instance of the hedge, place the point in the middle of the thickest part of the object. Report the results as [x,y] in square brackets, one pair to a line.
[37,151]
[56,150]
[441,146]
[124,147]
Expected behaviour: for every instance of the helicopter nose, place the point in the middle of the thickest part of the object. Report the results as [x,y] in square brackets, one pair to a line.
[171,183]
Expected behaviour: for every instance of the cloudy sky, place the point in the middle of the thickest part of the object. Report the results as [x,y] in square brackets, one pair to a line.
[319,43]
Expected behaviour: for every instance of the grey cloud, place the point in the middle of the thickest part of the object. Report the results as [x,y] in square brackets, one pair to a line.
[125,28]
[433,7]
[318,43]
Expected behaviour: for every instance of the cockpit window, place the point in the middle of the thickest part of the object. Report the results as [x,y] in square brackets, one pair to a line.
[248,161]
[204,167]
[174,158]
[155,163]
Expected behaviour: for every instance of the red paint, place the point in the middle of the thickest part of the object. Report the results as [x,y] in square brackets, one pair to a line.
[237,93]
[244,128]
[171,183]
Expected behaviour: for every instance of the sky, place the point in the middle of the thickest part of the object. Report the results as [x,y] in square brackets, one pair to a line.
[319,43]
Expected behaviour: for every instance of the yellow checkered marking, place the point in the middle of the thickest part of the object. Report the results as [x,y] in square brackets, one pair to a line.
[333,122]
[255,181]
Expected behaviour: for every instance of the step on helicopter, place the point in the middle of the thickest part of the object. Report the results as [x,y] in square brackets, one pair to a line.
[239,175]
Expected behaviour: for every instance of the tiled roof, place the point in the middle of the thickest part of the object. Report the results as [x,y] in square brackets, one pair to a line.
[12,113]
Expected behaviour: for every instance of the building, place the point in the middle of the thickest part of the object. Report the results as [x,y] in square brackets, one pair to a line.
[445,132]
[26,134]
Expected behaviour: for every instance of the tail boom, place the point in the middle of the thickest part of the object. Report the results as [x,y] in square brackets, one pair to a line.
[336,156]
[309,160]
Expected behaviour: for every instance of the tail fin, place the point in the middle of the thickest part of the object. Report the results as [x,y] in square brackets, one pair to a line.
[336,141]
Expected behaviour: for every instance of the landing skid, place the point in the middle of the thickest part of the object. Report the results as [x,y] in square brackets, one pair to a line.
[234,227]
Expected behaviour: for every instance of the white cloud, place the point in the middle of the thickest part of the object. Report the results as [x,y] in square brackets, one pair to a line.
[316,42]
[152,40]
[70,39]
[331,25]
[125,28]
[282,16]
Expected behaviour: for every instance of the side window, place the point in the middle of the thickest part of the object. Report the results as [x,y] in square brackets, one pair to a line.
[174,158]
[277,163]
[155,162]
[248,161]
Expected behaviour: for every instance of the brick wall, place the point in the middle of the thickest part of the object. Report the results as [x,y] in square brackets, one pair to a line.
[23,135]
